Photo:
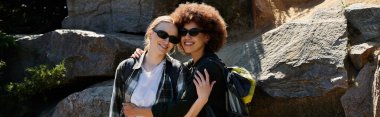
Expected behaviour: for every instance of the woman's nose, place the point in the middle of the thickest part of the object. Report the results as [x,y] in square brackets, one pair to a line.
[166,41]
[187,36]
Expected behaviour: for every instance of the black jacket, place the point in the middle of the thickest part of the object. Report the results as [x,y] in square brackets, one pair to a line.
[217,97]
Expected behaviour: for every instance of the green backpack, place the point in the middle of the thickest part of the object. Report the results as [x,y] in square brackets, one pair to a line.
[240,90]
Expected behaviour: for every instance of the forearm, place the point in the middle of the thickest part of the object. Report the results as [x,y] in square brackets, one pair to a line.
[146,112]
[196,108]
[131,110]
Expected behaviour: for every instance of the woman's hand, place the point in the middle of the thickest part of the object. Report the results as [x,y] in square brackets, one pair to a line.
[203,85]
[138,52]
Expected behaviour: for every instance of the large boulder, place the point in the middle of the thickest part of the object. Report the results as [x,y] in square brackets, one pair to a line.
[363,23]
[91,102]
[299,65]
[298,59]
[85,53]
[131,16]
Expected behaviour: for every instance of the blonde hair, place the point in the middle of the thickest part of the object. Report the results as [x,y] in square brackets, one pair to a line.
[153,25]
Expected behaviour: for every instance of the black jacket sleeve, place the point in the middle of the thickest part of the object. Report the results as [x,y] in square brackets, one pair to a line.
[217,99]
[118,87]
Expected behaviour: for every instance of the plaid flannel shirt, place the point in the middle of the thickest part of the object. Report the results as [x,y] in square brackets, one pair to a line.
[127,75]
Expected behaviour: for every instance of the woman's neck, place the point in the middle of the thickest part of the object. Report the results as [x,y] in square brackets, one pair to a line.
[197,55]
[151,60]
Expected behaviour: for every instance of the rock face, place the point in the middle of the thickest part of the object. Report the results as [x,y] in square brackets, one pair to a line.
[363,22]
[276,12]
[134,16]
[298,59]
[376,88]
[298,65]
[115,15]
[358,100]
[85,53]
[362,99]
[91,102]
[328,105]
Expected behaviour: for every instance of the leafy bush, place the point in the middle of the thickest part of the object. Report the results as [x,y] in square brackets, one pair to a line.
[39,80]
[2,64]
[6,41]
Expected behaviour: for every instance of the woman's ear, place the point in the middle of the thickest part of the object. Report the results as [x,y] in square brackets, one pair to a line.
[150,35]
[207,38]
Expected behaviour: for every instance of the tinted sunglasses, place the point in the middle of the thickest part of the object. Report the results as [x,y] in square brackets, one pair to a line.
[192,32]
[163,35]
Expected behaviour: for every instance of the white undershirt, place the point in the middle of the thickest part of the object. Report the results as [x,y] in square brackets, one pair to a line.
[145,92]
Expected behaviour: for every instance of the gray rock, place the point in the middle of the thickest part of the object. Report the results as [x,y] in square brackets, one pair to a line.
[115,15]
[134,16]
[298,59]
[358,100]
[85,53]
[359,54]
[376,87]
[91,102]
[364,23]
[22,57]
[361,100]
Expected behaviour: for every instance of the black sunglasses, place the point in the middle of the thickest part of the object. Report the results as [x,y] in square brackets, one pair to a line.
[163,35]
[192,32]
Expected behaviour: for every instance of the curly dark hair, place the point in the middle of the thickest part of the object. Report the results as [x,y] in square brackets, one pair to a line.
[207,18]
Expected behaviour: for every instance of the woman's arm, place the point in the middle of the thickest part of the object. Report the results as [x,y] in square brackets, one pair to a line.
[115,106]
[204,88]
[132,110]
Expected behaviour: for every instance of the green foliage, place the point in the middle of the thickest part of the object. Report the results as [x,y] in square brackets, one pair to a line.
[6,41]
[39,80]
[2,67]
[2,64]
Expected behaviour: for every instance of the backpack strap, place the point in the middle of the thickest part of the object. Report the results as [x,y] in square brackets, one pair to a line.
[225,70]
[220,64]
[234,105]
